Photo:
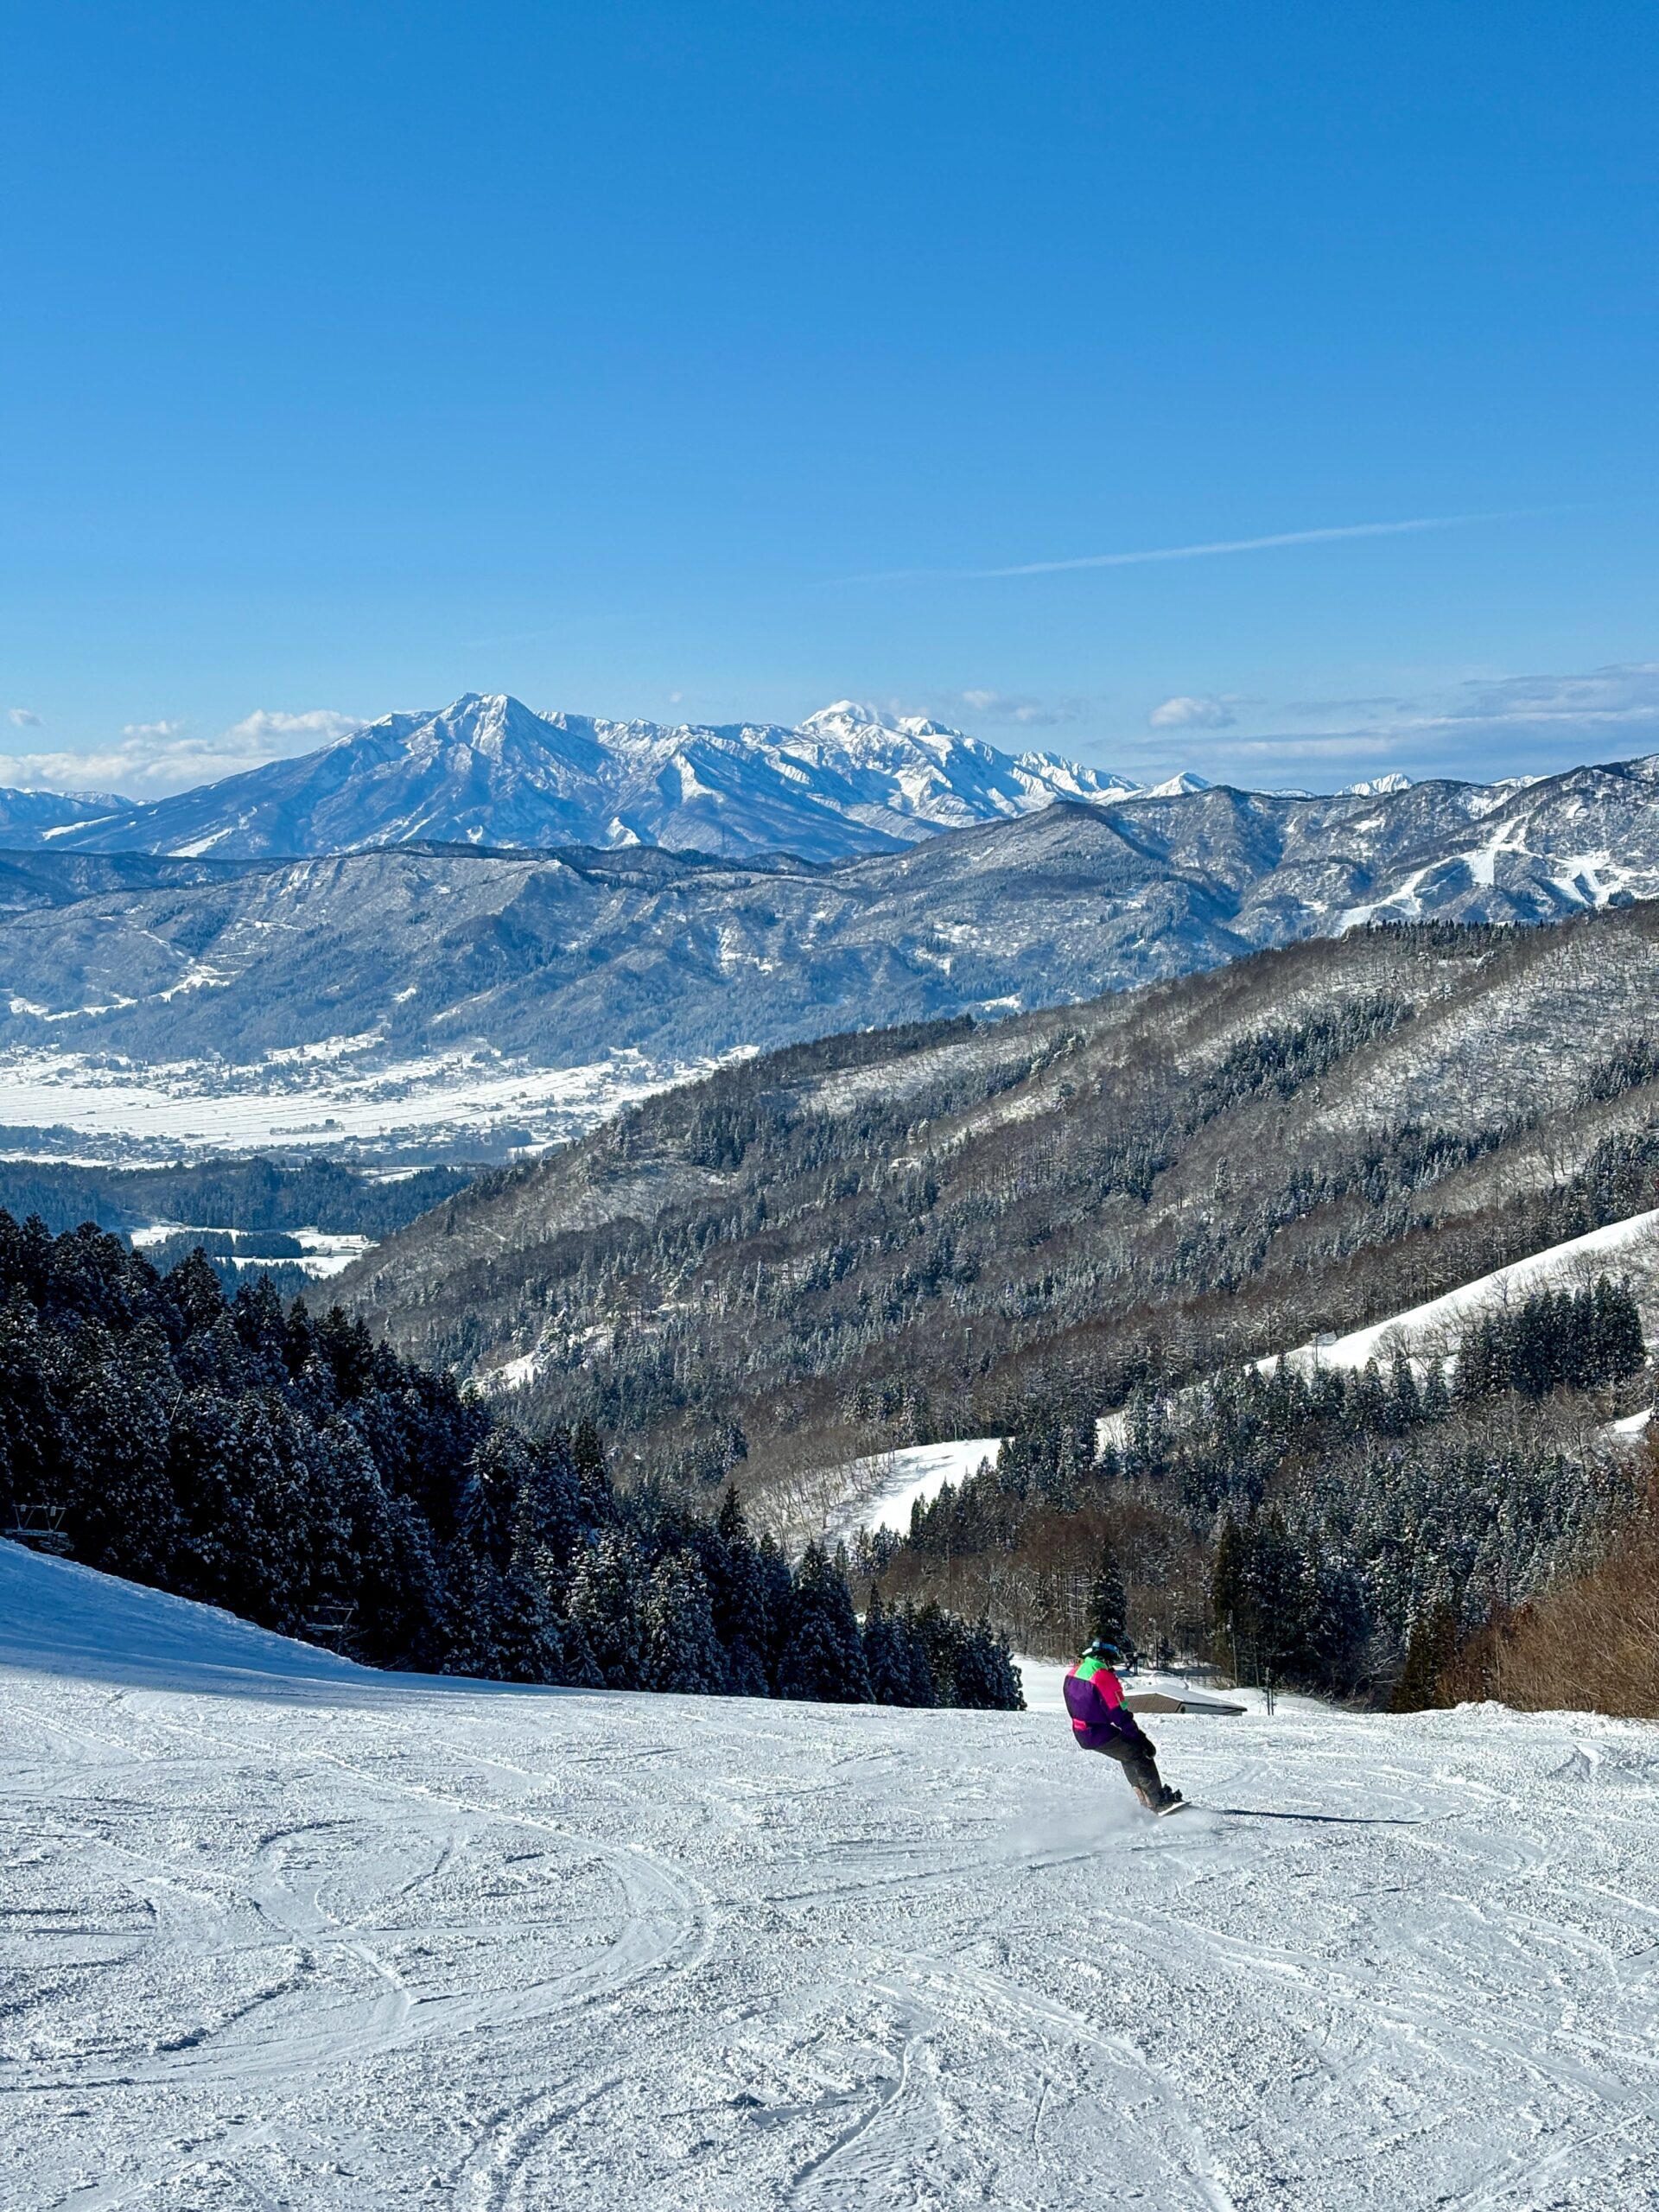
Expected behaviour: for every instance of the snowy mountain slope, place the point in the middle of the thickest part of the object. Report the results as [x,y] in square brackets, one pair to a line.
[1627,1251]
[875,1492]
[564,956]
[32,818]
[33,880]
[334,1942]
[492,771]
[1627,1248]
[1226,1165]
[60,1619]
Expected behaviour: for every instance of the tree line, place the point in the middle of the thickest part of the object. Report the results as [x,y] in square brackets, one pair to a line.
[1340,1530]
[288,1467]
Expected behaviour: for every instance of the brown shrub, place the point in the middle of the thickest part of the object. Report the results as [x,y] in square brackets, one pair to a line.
[1589,1644]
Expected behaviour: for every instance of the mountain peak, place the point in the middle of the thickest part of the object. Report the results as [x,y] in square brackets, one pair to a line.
[851,778]
[849,720]
[1179,786]
[1376,787]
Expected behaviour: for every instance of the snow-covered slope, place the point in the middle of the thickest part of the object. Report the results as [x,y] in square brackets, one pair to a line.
[492,771]
[32,817]
[1627,1250]
[878,1493]
[1616,1248]
[338,1940]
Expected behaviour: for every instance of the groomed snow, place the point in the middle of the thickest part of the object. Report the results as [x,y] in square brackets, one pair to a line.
[1577,1262]
[880,1489]
[276,1932]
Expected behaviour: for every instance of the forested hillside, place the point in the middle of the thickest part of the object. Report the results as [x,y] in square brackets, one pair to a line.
[288,1468]
[884,1234]
[952,1230]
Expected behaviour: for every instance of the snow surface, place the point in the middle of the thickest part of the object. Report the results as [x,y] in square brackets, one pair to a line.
[879,1491]
[1578,1260]
[323,1252]
[277,1932]
[311,1096]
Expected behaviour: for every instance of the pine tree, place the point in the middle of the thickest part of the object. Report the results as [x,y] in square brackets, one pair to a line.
[1430,1649]
[681,1650]
[895,1656]
[607,1602]
[738,1593]
[1108,1612]
[987,1678]
[474,1615]
[823,1657]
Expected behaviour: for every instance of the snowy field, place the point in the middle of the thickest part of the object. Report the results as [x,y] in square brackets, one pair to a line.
[323,1252]
[315,1096]
[278,1933]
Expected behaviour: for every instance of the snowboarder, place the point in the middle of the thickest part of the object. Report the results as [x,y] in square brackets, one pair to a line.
[1101,1722]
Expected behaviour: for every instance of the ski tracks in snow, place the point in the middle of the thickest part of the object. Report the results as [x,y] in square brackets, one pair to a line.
[370,1941]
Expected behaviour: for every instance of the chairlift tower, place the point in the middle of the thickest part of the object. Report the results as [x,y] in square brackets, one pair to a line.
[333,1624]
[40,1526]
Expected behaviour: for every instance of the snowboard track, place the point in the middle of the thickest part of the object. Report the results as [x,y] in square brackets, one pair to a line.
[330,1942]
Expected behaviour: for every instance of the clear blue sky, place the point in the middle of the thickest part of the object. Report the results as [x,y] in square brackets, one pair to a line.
[700,360]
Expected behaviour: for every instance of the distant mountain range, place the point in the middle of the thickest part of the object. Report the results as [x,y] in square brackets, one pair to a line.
[492,770]
[564,956]
[29,819]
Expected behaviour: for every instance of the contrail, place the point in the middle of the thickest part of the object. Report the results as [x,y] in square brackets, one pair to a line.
[1205,552]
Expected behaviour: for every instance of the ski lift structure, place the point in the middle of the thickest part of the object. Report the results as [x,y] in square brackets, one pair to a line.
[39,1527]
[333,1624]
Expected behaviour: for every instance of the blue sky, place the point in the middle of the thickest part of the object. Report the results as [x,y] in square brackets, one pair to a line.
[710,361]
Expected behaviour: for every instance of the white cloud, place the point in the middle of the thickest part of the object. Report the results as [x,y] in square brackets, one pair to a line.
[21,718]
[1209,547]
[152,760]
[1188,712]
[1015,707]
[1485,728]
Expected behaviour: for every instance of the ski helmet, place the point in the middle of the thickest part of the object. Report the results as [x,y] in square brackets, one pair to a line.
[1101,1649]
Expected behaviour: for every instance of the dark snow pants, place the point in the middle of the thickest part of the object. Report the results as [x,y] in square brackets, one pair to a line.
[1135,1754]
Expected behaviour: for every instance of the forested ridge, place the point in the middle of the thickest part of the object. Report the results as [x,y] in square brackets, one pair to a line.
[888,1235]
[251,1193]
[289,1468]
[955,1230]
[1306,1526]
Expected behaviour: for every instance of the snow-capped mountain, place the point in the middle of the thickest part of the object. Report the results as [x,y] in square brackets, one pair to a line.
[492,770]
[411,951]
[34,818]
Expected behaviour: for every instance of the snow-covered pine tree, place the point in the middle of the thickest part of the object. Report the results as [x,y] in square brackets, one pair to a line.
[607,1602]
[1108,1611]
[895,1656]
[987,1678]
[822,1656]
[681,1650]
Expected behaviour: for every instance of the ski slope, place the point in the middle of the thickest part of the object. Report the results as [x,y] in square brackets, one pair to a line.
[1627,1246]
[277,1932]
[879,1492]
[1627,1249]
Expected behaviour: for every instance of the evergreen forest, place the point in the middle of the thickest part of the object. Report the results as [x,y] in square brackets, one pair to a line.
[286,1466]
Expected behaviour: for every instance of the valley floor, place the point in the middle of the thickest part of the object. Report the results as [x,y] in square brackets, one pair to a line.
[276,1932]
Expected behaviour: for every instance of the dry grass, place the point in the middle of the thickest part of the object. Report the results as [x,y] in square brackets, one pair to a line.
[1589,1645]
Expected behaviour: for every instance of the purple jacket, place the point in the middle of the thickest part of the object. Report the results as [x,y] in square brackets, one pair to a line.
[1094,1698]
